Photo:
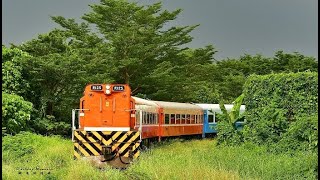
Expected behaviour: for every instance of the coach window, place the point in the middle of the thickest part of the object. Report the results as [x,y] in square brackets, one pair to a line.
[142,116]
[166,120]
[172,118]
[155,118]
[152,118]
[188,119]
[178,121]
[183,118]
[145,116]
[192,119]
[201,118]
[210,118]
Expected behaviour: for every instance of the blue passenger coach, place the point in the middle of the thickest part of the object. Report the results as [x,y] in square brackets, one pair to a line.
[210,119]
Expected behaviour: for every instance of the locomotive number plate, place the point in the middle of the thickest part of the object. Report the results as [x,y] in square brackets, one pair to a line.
[118,88]
[96,87]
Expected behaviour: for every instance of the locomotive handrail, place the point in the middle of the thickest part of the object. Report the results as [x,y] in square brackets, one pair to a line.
[74,118]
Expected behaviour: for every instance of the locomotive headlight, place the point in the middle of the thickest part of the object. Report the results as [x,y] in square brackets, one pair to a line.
[108,91]
[108,87]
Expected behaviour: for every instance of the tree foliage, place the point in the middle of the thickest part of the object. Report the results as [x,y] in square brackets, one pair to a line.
[231,74]
[54,73]
[139,45]
[12,77]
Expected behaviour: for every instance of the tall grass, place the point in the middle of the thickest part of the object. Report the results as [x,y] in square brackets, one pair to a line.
[194,159]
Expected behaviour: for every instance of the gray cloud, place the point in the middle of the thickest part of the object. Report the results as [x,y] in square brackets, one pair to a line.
[234,27]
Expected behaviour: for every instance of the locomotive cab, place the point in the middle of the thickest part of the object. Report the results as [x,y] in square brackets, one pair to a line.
[105,108]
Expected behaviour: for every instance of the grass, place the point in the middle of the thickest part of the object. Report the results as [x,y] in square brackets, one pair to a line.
[193,159]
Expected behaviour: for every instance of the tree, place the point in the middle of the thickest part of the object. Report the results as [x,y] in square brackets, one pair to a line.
[12,78]
[15,110]
[130,45]
[54,73]
[229,75]
[135,39]
[183,82]
[15,113]
[295,62]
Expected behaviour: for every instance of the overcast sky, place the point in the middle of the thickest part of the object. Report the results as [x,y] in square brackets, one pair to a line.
[233,27]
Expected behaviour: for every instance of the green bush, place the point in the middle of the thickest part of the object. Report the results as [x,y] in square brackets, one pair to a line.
[301,135]
[265,125]
[228,134]
[15,113]
[296,93]
[227,130]
[48,125]
[281,110]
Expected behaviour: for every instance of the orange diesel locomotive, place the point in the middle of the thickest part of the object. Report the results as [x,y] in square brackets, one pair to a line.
[112,123]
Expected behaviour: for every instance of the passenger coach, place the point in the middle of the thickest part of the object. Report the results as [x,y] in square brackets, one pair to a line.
[211,119]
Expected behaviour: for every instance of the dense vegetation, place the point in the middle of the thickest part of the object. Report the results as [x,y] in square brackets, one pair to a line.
[124,42]
[171,160]
[281,112]
[282,109]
